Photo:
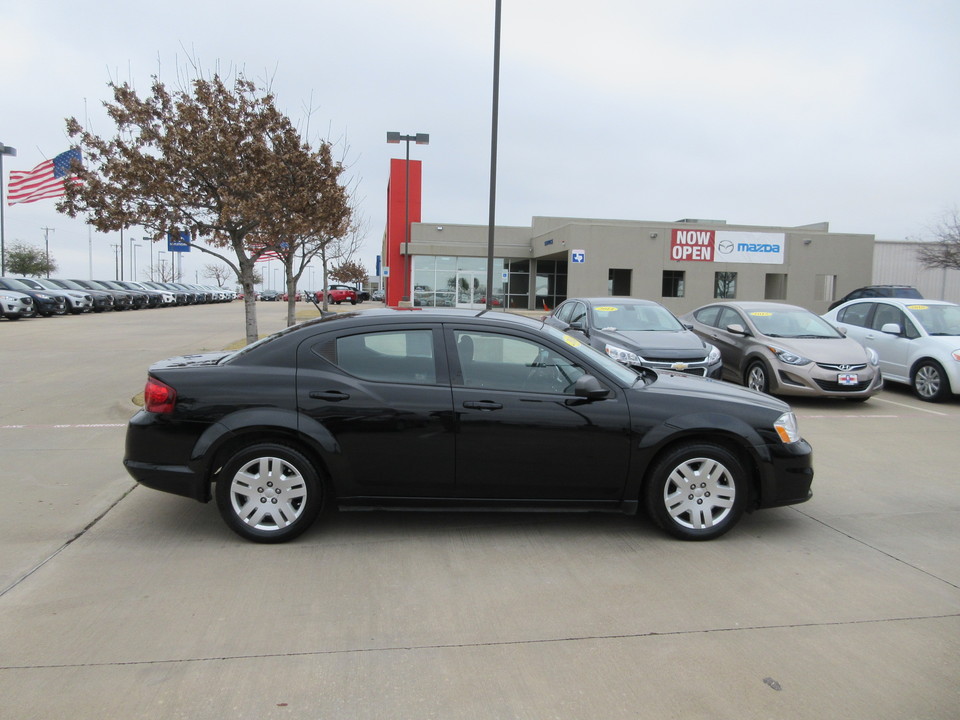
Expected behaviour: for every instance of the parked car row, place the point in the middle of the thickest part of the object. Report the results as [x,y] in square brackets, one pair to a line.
[29,297]
[783,349]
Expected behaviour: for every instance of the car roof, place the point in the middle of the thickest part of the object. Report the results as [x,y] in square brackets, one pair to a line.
[905,302]
[754,305]
[612,300]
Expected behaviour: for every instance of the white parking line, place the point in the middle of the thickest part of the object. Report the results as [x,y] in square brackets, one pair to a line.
[912,407]
[61,427]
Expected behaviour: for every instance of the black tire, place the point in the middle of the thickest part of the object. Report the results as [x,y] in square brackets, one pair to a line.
[697,491]
[929,381]
[353,301]
[278,480]
[757,377]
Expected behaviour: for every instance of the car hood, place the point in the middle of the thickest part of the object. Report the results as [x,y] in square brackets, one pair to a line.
[198,359]
[667,344]
[711,391]
[836,351]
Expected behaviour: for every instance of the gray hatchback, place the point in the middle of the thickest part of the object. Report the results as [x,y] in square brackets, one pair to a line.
[786,350]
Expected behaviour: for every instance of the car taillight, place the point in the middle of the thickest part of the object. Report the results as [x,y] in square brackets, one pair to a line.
[158,397]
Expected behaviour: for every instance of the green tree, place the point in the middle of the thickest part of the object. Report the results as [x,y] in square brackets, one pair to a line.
[220,162]
[23,259]
[944,252]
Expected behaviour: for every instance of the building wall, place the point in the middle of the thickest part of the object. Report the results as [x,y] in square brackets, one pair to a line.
[895,263]
[643,248]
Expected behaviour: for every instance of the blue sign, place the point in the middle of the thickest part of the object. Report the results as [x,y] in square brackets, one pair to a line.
[578,256]
[181,243]
[378,266]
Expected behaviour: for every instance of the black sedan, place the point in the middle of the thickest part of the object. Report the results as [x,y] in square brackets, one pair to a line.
[442,409]
[638,333]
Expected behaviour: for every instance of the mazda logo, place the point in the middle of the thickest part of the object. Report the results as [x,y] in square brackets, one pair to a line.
[725,246]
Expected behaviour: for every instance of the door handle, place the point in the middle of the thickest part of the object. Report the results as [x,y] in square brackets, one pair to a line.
[482,405]
[329,395]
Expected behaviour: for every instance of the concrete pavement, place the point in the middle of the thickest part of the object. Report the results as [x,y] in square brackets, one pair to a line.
[118,601]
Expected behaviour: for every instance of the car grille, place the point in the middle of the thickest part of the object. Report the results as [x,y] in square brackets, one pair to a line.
[833,367]
[833,386]
[692,368]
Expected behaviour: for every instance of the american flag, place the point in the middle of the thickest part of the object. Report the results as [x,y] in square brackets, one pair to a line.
[46,180]
[268,255]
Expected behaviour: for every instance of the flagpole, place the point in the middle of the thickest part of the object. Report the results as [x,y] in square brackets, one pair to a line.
[12,152]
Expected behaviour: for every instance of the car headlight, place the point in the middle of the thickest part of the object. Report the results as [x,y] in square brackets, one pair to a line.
[41,296]
[788,357]
[622,355]
[873,357]
[713,355]
[786,427]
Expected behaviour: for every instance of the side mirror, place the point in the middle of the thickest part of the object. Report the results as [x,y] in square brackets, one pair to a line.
[577,326]
[589,389]
[891,329]
[736,329]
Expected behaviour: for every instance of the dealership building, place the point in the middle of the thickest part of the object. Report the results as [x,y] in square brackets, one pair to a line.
[682,264]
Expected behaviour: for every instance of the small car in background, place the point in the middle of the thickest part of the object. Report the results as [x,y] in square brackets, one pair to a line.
[268,295]
[638,333]
[876,291]
[918,341]
[339,294]
[786,350]
[15,305]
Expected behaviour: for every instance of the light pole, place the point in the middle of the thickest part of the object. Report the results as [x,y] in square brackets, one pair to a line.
[133,258]
[12,152]
[149,242]
[419,139]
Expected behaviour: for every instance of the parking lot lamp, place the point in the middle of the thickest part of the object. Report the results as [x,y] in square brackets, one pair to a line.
[12,152]
[419,139]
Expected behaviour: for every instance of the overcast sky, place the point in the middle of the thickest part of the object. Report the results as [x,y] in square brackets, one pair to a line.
[756,112]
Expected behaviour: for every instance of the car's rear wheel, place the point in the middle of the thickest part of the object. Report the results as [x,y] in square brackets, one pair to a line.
[930,382]
[757,377]
[697,491]
[269,493]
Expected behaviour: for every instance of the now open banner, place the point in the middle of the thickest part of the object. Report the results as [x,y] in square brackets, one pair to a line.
[727,246]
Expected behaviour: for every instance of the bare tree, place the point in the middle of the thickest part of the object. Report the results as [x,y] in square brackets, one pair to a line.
[222,163]
[945,251]
[217,272]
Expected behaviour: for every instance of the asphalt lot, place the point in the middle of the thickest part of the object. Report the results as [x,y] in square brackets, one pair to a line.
[117,601]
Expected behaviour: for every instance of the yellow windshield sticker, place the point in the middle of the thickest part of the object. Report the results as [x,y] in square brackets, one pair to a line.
[572,342]
[761,314]
[918,307]
[607,309]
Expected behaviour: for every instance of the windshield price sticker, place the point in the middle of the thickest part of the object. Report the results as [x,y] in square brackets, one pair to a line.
[918,307]
[761,314]
[607,309]
[572,342]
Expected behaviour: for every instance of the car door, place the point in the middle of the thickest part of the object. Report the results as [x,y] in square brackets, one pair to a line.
[384,395]
[894,349]
[521,433]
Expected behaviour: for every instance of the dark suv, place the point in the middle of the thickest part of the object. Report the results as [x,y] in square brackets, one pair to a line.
[876,291]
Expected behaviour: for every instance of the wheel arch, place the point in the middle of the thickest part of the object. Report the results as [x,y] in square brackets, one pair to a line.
[224,439]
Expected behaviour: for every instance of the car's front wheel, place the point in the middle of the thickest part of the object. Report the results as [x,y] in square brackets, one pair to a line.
[757,377]
[697,491]
[930,382]
[269,493]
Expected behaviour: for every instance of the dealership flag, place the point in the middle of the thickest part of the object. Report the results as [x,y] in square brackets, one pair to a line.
[46,180]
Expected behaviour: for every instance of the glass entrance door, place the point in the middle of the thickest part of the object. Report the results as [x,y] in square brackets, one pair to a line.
[471,289]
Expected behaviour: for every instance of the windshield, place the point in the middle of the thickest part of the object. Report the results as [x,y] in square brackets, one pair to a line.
[792,323]
[937,319]
[17,285]
[622,373]
[631,317]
